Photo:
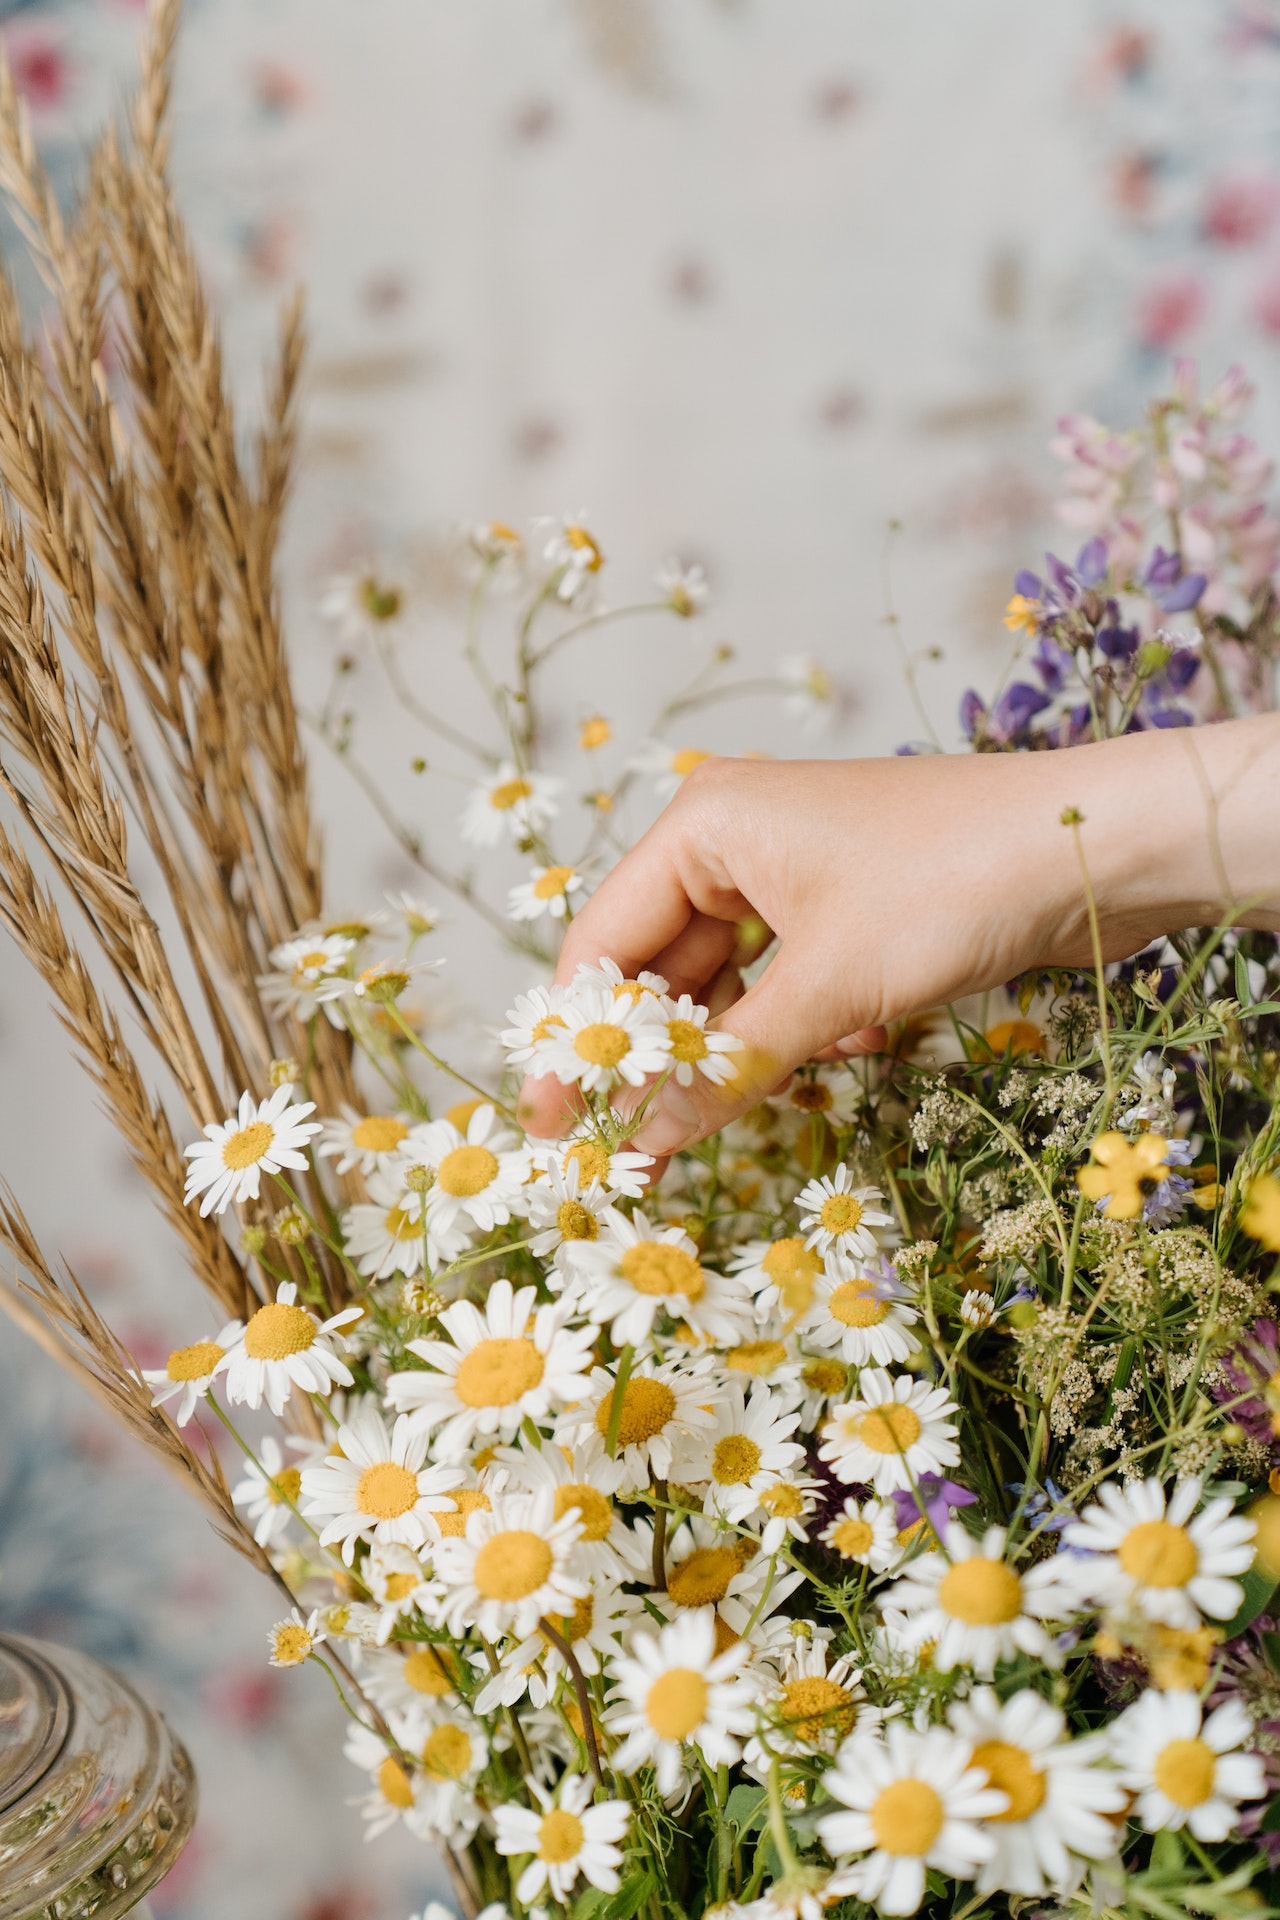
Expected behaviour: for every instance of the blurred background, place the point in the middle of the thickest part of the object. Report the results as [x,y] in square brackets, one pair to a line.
[747,282]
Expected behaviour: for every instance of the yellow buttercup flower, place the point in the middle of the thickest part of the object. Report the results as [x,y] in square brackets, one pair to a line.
[1260,1214]
[1124,1173]
[1022,615]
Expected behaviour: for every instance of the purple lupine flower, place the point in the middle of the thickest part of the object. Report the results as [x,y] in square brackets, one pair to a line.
[1181,668]
[1015,710]
[1091,562]
[1050,662]
[1029,585]
[1172,590]
[937,1496]
[973,712]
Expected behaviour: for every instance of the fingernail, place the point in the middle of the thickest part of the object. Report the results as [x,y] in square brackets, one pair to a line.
[673,1120]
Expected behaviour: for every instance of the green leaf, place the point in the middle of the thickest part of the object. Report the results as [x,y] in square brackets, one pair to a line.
[1242,984]
[631,1896]
[746,1808]
[589,1903]
[1258,1588]
[1270,1643]
[1270,1822]
[1166,1853]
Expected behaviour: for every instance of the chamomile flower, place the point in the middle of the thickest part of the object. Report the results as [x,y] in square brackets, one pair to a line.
[813,1708]
[811,696]
[821,1379]
[510,805]
[979,1609]
[269,1492]
[568,1836]
[228,1164]
[1187,1771]
[390,1233]
[1061,1802]
[400,1679]
[511,1363]
[633,1271]
[866,1533]
[695,1051]
[831,1093]
[190,1372]
[621,1168]
[512,1565]
[788,1506]
[783,1275]
[607,977]
[363,605]
[914,1800]
[896,1430]
[709,1566]
[670,764]
[382,982]
[662,1407]
[683,587]
[860,1314]
[531,1020]
[284,1346]
[376,1486]
[604,1041]
[480,1174]
[397,1579]
[749,1450]
[391,1788]
[574,553]
[837,1215]
[565,1213]
[450,1749]
[673,1689]
[300,966]
[362,1142]
[548,890]
[1171,1563]
[294,1640]
[536,1666]
[580,1482]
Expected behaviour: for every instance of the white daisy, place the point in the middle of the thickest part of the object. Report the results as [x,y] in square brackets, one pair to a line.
[581,1481]
[190,1372]
[391,1232]
[531,1019]
[832,1093]
[548,890]
[836,1214]
[683,587]
[674,1689]
[662,1407]
[285,1346]
[362,1141]
[565,1212]
[574,553]
[511,1566]
[568,1837]
[1059,1797]
[536,1666]
[362,605]
[601,1042]
[860,1313]
[978,1608]
[384,980]
[670,764]
[607,977]
[749,1450]
[811,696]
[300,966]
[694,1050]
[398,1679]
[511,1363]
[391,1787]
[498,543]
[978,1310]
[397,1579]
[914,1800]
[709,1566]
[813,1708]
[822,1380]
[895,1431]
[634,1271]
[450,1749]
[376,1487]
[227,1165]
[480,1174]
[509,805]
[269,1492]
[1187,1771]
[788,1506]
[865,1532]
[783,1274]
[1170,1566]
[622,1168]
[294,1640]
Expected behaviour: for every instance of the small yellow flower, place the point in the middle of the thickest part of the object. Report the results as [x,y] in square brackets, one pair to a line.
[1124,1174]
[594,732]
[1014,1037]
[1260,1214]
[1022,615]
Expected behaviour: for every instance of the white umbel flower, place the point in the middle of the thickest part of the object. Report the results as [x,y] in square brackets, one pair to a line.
[915,1800]
[694,1051]
[284,1346]
[190,1372]
[604,1041]
[512,1565]
[674,1690]
[548,891]
[979,1609]
[377,1487]
[1059,1796]
[895,1431]
[228,1164]
[634,1271]
[513,1362]
[1187,1771]
[1171,1563]
[510,805]
[567,1836]
[836,1214]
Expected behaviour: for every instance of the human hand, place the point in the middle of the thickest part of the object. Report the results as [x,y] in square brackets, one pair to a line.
[900,884]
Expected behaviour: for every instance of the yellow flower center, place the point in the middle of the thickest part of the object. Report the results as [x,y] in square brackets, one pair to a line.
[735,1459]
[424,1670]
[824,1376]
[784,1501]
[594,1508]
[467,1500]
[851,1537]
[291,1644]
[544,1026]
[602,1044]
[688,1041]
[1156,1553]
[1013,1771]
[1184,1772]
[284,1488]
[277,1330]
[511,1565]
[509,794]
[398,1586]
[793,1268]
[386,1490]
[703,1579]
[380,603]
[756,1356]
[592,1159]
[595,732]
[576,1625]
[1180,1659]
[907,1818]
[854,1304]
[981,1592]
[656,1267]
[394,1784]
[581,541]
[378,1133]
[687,759]
[496,1373]
[814,1705]
[552,882]
[888,1428]
[193,1363]
[840,1213]
[576,1222]
[676,1703]
[647,1405]
[311,961]
[446,1754]
[247,1146]
[561,1837]
[467,1171]
[812,1096]
[401,1225]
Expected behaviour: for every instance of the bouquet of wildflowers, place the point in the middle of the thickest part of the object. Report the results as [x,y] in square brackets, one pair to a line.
[876,1513]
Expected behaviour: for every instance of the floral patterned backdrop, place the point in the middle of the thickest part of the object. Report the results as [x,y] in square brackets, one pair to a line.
[750,281]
